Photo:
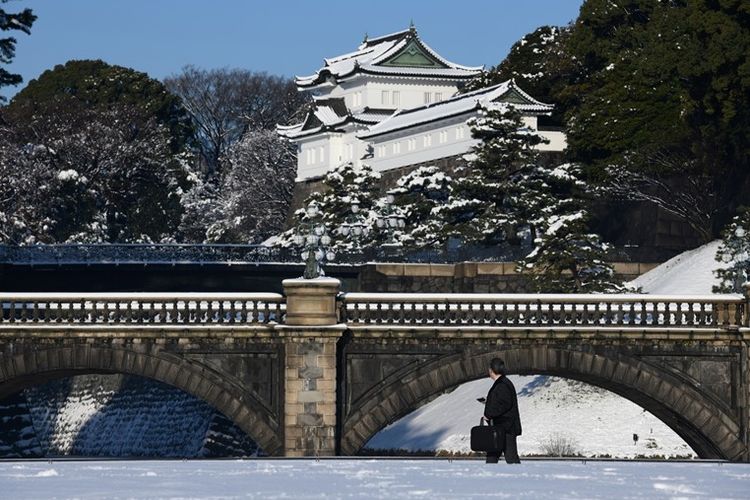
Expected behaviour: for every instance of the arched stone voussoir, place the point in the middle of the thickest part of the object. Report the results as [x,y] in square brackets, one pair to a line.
[33,365]
[640,382]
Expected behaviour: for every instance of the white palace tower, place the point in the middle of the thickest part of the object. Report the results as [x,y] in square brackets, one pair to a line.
[393,103]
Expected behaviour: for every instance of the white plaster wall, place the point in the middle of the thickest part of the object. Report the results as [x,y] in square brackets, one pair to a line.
[455,143]
[557,141]
[317,167]
[411,92]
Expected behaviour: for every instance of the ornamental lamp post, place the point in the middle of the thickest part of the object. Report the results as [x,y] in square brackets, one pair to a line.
[314,240]
[390,219]
[354,228]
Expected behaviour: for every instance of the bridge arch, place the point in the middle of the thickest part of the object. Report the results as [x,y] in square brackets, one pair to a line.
[32,366]
[703,424]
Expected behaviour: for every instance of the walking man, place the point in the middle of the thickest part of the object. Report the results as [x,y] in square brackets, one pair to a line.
[501,410]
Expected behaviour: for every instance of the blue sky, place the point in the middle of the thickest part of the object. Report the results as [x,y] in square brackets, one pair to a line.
[285,37]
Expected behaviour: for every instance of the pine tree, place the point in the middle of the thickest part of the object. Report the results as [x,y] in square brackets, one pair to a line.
[419,196]
[21,21]
[567,257]
[345,187]
[483,207]
[734,253]
[540,64]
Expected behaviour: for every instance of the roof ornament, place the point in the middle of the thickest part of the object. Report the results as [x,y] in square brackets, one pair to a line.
[412,28]
[365,39]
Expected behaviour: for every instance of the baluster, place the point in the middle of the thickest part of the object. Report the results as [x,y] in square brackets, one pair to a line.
[129,311]
[266,313]
[139,314]
[690,314]
[716,319]
[608,318]
[23,312]
[704,319]
[520,316]
[59,315]
[162,312]
[550,312]
[243,312]
[34,314]
[631,319]
[105,312]
[233,311]
[118,312]
[12,312]
[210,314]
[255,312]
[643,320]
[82,311]
[175,314]
[220,314]
[618,318]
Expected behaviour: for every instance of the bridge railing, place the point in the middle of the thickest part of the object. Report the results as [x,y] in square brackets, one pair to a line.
[542,310]
[141,308]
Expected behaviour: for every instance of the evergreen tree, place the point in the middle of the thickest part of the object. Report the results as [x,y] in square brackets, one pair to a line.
[734,253]
[91,177]
[344,187]
[100,87]
[663,114]
[540,64]
[21,21]
[567,257]
[419,196]
[483,206]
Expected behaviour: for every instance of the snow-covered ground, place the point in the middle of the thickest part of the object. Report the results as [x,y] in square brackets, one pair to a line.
[596,422]
[689,273]
[390,479]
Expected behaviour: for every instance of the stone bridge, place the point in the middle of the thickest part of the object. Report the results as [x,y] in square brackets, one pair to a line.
[316,372]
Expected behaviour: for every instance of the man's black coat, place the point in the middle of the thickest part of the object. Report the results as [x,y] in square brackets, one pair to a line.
[501,406]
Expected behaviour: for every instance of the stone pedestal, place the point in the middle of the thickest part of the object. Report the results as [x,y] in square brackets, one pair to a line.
[311,333]
[311,302]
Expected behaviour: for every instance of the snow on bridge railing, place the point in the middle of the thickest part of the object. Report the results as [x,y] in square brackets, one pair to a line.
[543,310]
[141,308]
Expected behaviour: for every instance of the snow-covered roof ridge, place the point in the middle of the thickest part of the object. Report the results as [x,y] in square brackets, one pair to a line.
[383,38]
[373,53]
[457,105]
[328,113]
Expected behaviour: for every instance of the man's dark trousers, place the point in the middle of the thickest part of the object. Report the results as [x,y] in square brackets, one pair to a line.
[510,452]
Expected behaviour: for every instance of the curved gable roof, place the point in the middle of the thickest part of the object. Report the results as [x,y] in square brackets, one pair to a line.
[504,93]
[400,53]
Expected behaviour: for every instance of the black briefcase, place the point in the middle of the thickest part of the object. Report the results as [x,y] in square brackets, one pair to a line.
[487,438]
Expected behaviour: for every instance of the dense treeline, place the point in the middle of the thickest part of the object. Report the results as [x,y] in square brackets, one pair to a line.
[94,152]
[653,97]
